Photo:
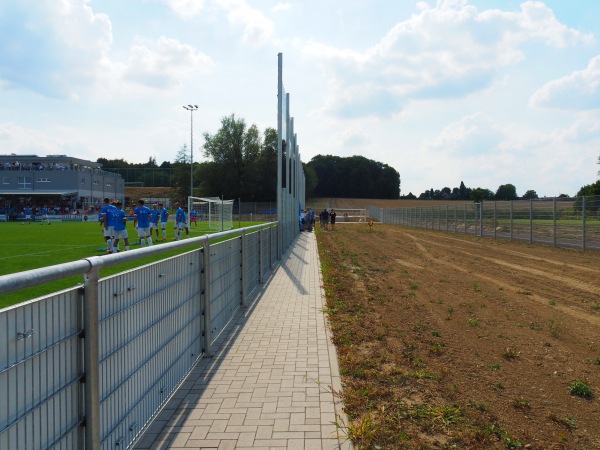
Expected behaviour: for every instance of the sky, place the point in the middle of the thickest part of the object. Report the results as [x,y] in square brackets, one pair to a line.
[487,92]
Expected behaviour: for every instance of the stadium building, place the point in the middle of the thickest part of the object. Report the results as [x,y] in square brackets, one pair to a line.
[57,180]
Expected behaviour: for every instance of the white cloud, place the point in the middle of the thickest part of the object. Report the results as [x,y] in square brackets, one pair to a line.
[257,28]
[166,64]
[55,46]
[281,6]
[473,134]
[30,141]
[450,50]
[579,90]
[186,9]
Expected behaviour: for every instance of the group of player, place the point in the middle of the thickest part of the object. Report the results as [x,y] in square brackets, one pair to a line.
[145,220]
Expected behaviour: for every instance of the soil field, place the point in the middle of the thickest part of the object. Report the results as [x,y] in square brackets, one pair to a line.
[454,341]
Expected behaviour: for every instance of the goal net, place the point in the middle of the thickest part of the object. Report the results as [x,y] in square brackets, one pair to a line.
[351,215]
[210,214]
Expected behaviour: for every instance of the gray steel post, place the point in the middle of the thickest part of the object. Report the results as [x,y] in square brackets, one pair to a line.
[260,257]
[530,221]
[583,223]
[243,265]
[554,222]
[495,222]
[511,220]
[91,356]
[207,299]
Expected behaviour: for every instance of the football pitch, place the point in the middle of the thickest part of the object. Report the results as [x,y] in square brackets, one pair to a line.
[31,246]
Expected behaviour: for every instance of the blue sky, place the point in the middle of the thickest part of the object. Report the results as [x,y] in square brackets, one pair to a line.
[487,92]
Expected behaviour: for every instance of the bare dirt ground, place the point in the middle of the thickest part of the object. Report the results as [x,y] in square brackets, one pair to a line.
[453,341]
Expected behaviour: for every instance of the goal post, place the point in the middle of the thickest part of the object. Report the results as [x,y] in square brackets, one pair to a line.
[210,214]
[351,215]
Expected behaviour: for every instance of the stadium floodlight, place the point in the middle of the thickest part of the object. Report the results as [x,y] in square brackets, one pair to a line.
[191,109]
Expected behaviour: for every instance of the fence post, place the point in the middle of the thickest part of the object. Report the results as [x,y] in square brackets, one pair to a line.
[244,245]
[511,220]
[583,223]
[530,221]
[495,220]
[465,216]
[91,357]
[554,222]
[207,297]
[260,257]
[481,219]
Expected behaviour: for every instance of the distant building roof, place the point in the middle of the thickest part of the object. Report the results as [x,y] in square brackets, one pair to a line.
[60,159]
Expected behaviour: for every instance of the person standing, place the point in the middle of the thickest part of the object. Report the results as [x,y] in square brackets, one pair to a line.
[107,220]
[141,222]
[28,215]
[164,217]
[332,215]
[180,222]
[45,215]
[193,217]
[324,219]
[120,228]
[154,216]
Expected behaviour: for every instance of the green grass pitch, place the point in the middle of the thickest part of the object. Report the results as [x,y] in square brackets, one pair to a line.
[31,246]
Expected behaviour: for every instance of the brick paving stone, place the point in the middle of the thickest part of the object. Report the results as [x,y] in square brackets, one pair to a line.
[271,379]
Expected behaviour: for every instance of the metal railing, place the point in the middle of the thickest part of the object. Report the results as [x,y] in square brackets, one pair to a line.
[89,367]
[559,222]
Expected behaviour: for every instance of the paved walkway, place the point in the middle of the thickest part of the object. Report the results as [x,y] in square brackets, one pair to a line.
[271,379]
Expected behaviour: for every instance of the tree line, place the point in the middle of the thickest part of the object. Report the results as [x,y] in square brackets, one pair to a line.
[241,163]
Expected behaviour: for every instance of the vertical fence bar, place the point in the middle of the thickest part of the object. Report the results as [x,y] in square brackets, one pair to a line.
[261,256]
[91,357]
[243,265]
[511,220]
[465,216]
[455,219]
[495,223]
[481,219]
[583,222]
[554,222]
[530,221]
[207,298]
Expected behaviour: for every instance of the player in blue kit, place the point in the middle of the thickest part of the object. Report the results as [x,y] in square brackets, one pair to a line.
[45,215]
[120,227]
[154,217]
[180,222]
[107,221]
[164,217]
[141,222]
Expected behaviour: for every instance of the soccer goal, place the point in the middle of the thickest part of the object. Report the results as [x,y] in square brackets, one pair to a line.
[351,215]
[210,214]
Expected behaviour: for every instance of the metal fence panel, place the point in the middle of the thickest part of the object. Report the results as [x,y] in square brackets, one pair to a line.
[265,248]
[226,283]
[40,372]
[150,335]
[252,269]
[561,222]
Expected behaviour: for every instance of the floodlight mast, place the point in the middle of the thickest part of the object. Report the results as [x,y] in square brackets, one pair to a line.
[191,109]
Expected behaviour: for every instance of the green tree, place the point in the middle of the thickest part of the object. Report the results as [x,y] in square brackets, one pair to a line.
[530,194]
[245,164]
[463,194]
[506,192]
[181,167]
[310,180]
[354,176]
[480,194]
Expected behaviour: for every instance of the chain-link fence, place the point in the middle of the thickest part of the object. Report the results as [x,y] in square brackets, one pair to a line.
[559,222]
